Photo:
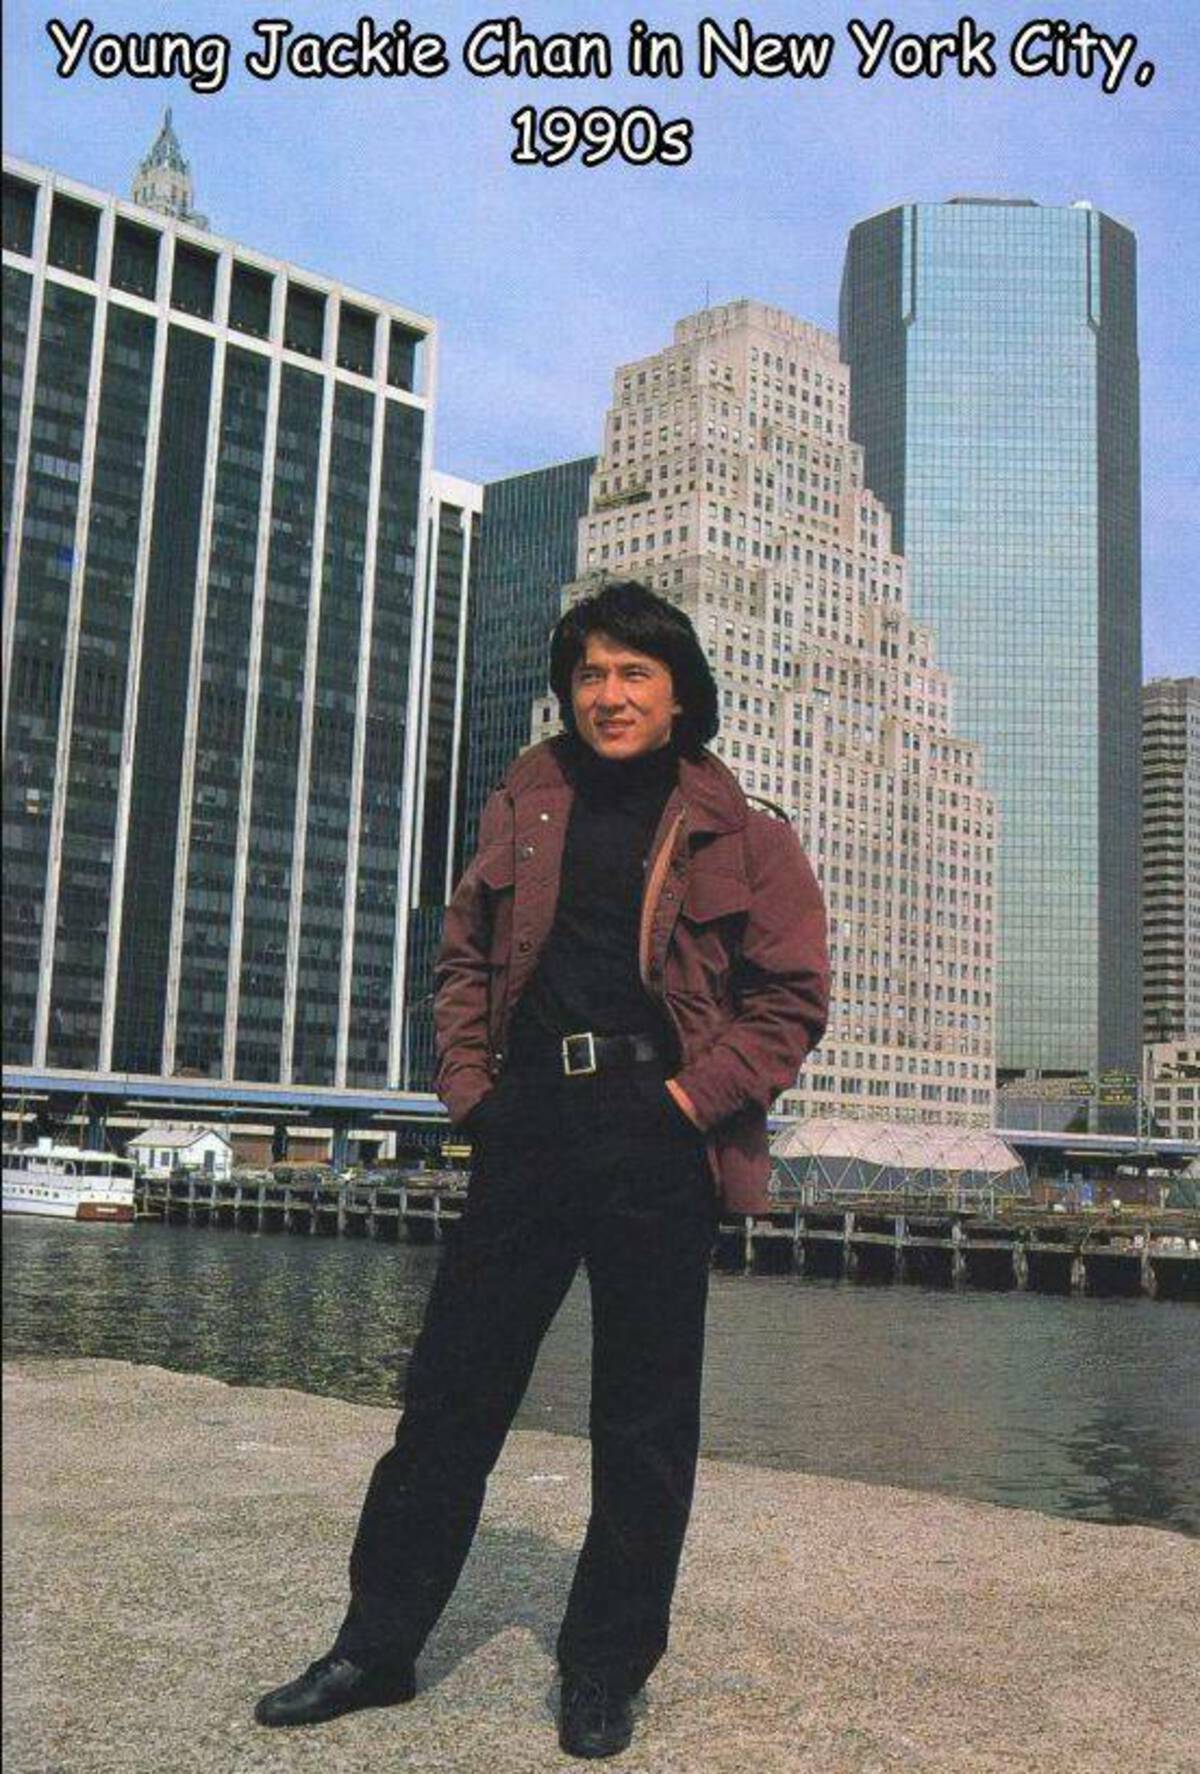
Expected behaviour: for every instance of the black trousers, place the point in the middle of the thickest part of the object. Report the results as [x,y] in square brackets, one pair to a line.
[605,1170]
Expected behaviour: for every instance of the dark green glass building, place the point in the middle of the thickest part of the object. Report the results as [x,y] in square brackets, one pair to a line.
[992,347]
[214,631]
[527,553]
[498,557]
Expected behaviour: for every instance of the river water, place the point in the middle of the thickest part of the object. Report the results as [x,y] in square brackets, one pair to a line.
[1074,1406]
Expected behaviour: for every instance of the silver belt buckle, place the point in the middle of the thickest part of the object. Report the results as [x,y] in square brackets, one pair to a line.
[589,1065]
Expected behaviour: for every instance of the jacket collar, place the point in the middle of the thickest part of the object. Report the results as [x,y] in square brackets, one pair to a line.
[711,793]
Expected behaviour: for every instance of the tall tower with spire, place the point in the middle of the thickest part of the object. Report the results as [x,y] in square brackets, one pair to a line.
[164,178]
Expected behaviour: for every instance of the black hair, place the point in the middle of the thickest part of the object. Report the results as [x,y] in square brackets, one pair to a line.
[637,617]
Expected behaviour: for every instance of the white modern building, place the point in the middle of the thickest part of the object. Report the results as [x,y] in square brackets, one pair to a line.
[452,522]
[216,620]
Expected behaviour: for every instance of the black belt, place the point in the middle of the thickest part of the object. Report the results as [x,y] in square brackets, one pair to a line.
[583,1054]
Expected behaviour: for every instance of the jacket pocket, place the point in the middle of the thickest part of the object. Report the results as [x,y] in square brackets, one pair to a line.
[712,896]
[708,935]
[497,867]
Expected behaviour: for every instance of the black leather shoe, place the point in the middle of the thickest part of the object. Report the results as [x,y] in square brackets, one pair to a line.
[594,1718]
[331,1686]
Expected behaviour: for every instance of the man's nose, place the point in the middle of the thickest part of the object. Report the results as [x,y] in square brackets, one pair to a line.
[612,692]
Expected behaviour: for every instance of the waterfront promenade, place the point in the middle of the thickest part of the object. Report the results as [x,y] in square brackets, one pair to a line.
[174,1545]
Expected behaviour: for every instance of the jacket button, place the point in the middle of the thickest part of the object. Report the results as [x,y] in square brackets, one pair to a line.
[524,945]
[526,852]
[544,817]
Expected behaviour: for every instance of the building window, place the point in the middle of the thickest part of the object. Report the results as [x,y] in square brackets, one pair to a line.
[20,213]
[405,355]
[356,340]
[250,301]
[304,324]
[135,259]
[194,281]
[74,230]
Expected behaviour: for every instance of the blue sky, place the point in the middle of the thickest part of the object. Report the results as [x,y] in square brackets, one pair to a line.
[543,280]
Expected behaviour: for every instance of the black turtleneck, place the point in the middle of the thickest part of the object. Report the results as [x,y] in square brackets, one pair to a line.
[587,976]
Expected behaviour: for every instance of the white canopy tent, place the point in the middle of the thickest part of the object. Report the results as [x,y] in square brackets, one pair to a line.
[832,1156]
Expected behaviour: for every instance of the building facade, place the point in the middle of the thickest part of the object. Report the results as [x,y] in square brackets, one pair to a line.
[728,482]
[526,554]
[992,347]
[452,525]
[215,467]
[1171,1086]
[1171,858]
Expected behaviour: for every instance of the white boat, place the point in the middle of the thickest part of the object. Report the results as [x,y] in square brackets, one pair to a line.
[68,1182]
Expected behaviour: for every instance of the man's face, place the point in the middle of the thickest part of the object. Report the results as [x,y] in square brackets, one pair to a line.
[623,701]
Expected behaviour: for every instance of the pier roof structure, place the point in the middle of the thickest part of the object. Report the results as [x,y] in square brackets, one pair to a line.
[940,1151]
[238,1101]
[846,1157]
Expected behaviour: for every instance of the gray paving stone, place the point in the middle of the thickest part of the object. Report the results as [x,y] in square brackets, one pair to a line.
[175,1545]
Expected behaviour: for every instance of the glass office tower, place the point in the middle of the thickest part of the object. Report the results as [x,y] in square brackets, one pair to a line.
[992,347]
[527,551]
[214,469]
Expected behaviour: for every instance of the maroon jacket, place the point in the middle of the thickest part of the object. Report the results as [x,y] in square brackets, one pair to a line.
[732,943]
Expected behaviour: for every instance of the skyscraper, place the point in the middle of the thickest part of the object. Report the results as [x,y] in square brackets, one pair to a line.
[1171,858]
[728,481]
[452,524]
[213,639]
[992,347]
[526,554]
[164,179]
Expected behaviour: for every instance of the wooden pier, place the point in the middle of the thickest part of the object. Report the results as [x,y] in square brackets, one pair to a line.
[414,1206]
[1156,1254]
[1017,1248]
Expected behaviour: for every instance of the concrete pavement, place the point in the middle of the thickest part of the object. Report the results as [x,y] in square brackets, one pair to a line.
[175,1545]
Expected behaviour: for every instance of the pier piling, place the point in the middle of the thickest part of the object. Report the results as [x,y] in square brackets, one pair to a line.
[1157,1256]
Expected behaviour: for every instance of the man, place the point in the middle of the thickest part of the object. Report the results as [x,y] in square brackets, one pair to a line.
[634,966]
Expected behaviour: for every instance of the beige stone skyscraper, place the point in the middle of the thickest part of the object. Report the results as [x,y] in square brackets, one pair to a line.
[728,482]
[1171,859]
